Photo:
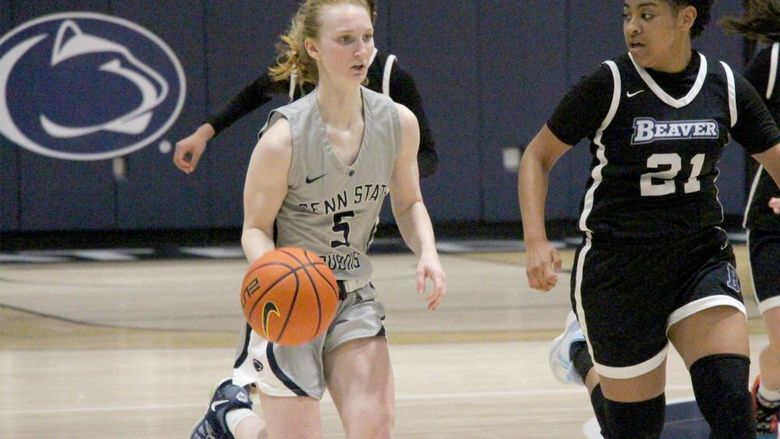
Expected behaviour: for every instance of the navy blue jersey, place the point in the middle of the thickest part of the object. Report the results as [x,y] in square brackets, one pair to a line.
[655,154]
[762,73]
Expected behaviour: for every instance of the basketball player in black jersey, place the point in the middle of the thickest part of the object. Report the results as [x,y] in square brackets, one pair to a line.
[654,266]
[761,23]
[400,86]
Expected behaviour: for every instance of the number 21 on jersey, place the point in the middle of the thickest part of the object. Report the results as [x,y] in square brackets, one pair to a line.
[658,183]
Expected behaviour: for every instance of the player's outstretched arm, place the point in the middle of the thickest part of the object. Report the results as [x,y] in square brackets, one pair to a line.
[190,149]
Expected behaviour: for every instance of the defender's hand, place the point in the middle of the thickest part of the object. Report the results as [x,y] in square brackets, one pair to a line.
[774,203]
[189,149]
[542,265]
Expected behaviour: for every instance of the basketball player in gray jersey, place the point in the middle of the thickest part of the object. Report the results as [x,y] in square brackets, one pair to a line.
[329,208]
[318,176]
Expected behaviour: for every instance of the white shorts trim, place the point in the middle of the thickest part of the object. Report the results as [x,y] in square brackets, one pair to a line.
[247,374]
[299,371]
[766,305]
[702,304]
[624,373]
[678,315]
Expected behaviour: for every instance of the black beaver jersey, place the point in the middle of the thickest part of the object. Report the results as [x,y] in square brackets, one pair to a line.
[655,154]
[762,73]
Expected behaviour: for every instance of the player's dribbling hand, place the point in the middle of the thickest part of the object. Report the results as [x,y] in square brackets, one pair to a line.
[542,266]
[429,267]
[774,203]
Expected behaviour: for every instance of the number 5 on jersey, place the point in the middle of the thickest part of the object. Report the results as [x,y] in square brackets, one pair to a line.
[340,225]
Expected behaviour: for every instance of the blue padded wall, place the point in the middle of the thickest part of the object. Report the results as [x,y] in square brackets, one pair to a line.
[490,73]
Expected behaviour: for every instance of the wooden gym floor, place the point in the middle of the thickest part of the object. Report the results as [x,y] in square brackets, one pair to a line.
[132,349]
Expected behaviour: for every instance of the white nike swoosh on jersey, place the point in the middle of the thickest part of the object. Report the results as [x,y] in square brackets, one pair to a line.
[631,95]
[217,403]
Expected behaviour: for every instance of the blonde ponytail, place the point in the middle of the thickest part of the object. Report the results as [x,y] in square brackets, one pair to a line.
[292,56]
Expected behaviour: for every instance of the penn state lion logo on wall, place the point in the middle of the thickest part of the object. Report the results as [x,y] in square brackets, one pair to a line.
[87,86]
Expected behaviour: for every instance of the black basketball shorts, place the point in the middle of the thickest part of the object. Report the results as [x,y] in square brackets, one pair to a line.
[628,294]
[764,251]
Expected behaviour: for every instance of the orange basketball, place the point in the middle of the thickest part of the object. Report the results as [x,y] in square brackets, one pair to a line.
[289,296]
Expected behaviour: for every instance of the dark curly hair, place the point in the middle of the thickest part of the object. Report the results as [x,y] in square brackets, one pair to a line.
[703,13]
[760,21]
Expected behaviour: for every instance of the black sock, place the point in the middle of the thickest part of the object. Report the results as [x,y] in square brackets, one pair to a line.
[720,384]
[598,402]
[635,420]
[580,357]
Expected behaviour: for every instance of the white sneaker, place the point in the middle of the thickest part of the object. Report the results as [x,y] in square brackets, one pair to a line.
[560,359]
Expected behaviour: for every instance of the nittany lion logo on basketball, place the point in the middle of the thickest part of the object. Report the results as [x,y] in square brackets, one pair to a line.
[85,86]
[647,129]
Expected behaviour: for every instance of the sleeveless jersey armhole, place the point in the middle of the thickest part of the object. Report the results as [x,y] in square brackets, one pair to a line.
[770,87]
[751,195]
[386,75]
[732,93]
[616,91]
[396,118]
[273,117]
[293,83]
[596,172]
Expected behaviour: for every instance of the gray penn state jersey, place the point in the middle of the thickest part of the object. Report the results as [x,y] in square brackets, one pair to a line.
[332,209]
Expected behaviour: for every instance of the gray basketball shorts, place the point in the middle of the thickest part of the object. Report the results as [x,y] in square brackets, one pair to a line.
[299,370]
[764,251]
[627,295]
